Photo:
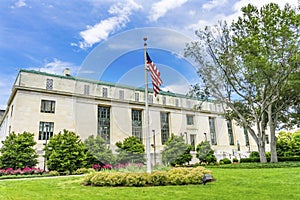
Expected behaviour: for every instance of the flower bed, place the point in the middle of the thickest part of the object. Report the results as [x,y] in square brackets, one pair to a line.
[25,171]
[175,176]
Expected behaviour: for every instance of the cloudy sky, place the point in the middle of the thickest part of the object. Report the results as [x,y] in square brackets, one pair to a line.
[103,39]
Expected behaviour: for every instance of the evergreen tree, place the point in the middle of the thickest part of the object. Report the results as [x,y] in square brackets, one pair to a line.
[176,151]
[97,150]
[131,150]
[205,153]
[18,151]
[65,152]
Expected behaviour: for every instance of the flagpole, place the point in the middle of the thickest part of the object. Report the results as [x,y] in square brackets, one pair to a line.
[148,156]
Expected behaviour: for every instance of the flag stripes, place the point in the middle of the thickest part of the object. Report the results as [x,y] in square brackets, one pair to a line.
[154,74]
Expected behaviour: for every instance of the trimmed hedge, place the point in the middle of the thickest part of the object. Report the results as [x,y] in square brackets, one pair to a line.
[280,159]
[175,176]
[226,161]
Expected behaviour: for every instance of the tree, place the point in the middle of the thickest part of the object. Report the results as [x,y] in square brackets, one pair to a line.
[205,153]
[96,148]
[65,152]
[246,66]
[131,150]
[18,151]
[288,144]
[176,151]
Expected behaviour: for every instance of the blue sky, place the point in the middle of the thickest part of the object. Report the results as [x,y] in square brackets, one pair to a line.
[103,39]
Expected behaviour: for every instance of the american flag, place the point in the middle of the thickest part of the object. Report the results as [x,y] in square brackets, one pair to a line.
[155,75]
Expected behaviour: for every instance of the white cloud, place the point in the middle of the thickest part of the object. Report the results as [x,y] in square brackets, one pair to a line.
[160,8]
[56,67]
[19,4]
[120,17]
[213,4]
[177,88]
[236,8]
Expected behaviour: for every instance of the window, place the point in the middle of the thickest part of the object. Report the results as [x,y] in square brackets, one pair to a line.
[136,116]
[212,129]
[86,90]
[104,123]
[246,136]
[137,97]
[46,130]
[230,132]
[47,106]
[12,110]
[164,122]
[193,141]
[150,98]
[267,139]
[176,102]
[104,92]
[164,101]
[49,84]
[190,119]
[121,94]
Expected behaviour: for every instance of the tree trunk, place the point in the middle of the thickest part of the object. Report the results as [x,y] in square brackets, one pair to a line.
[272,136]
[262,151]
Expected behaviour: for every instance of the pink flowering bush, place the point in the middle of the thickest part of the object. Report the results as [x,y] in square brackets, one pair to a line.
[99,167]
[133,167]
[25,171]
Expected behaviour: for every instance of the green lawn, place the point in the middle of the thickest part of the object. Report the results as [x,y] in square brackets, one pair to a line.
[268,183]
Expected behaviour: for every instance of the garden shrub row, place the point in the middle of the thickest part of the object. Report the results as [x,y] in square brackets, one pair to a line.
[280,159]
[175,176]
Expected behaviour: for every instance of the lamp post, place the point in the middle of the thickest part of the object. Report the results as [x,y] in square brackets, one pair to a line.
[45,144]
[154,147]
[205,136]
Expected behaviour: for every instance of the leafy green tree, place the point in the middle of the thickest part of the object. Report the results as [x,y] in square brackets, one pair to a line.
[288,144]
[176,151]
[18,151]
[65,152]
[250,62]
[96,148]
[131,150]
[205,153]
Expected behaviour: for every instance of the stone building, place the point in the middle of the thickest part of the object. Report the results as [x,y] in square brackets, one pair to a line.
[45,104]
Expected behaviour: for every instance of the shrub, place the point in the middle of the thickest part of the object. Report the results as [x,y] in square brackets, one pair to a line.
[292,158]
[84,171]
[158,178]
[98,151]
[65,152]
[205,153]
[254,154]
[53,173]
[175,176]
[248,160]
[176,151]
[136,179]
[18,151]
[116,179]
[226,161]
[87,179]
[195,175]
[130,150]
[235,160]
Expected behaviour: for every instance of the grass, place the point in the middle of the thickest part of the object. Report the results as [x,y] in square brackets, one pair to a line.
[266,183]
